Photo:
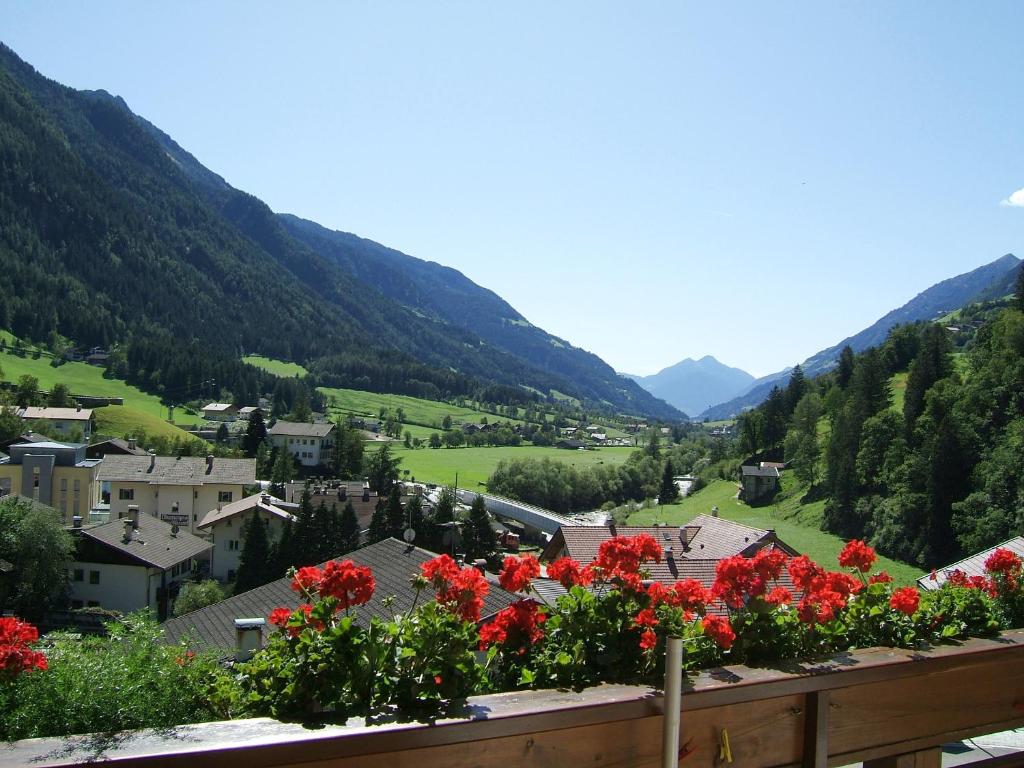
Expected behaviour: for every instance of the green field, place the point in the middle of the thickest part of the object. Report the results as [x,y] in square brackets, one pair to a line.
[85,379]
[276,367]
[425,413]
[795,524]
[475,465]
[118,421]
[898,387]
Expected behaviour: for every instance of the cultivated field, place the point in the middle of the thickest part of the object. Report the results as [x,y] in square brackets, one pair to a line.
[118,421]
[276,367]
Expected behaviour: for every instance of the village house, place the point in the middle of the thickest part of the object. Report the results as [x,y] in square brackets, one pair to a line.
[115,446]
[65,421]
[226,528]
[178,490]
[220,412]
[59,475]
[758,483]
[312,445]
[245,413]
[132,564]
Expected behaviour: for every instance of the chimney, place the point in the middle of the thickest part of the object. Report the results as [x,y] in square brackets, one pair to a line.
[76,521]
[209,463]
[714,511]
[131,443]
[133,515]
[480,564]
[248,637]
[127,529]
[152,461]
[78,407]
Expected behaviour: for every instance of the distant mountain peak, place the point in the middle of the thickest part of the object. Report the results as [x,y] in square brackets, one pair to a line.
[693,385]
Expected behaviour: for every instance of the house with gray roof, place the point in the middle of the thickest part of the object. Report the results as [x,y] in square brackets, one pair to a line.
[226,524]
[64,421]
[179,490]
[312,445]
[393,563]
[758,483]
[132,564]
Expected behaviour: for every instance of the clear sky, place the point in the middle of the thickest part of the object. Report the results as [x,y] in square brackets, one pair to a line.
[650,181]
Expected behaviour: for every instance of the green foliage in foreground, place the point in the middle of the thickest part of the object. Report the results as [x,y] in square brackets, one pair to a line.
[125,681]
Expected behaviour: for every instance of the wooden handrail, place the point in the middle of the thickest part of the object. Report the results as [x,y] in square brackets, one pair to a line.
[864,705]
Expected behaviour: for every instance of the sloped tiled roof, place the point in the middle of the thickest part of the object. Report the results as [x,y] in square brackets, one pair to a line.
[152,543]
[759,471]
[181,470]
[242,506]
[393,563]
[301,429]
[973,565]
[218,407]
[64,414]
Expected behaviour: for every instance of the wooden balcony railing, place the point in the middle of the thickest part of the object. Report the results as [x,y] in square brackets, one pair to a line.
[882,706]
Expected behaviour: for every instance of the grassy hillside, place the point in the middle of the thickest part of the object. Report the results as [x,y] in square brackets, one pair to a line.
[425,413]
[276,367]
[118,421]
[795,523]
[475,465]
[85,379]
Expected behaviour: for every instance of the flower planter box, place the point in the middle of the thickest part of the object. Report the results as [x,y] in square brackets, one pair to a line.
[867,705]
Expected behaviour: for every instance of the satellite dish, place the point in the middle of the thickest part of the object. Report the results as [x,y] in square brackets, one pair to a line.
[409,535]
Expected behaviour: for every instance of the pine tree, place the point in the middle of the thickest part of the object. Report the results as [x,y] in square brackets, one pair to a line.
[379,522]
[1018,289]
[282,472]
[283,553]
[255,434]
[348,529]
[395,513]
[845,370]
[479,538]
[382,470]
[669,491]
[304,546]
[254,563]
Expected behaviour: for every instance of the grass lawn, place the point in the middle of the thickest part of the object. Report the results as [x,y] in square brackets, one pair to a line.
[425,413]
[85,379]
[898,387]
[796,524]
[119,420]
[475,465]
[276,367]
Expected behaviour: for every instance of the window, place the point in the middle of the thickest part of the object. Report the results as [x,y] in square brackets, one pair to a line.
[174,571]
[63,485]
[94,577]
[224,495]
[126,494]
[94,603]
[78,575]
[78,485]
[232,545]
[35,478]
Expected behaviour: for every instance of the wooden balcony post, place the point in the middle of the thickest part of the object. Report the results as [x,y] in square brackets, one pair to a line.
[924,758]
[816,729]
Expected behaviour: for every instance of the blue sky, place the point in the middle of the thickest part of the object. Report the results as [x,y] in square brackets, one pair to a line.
[650,181]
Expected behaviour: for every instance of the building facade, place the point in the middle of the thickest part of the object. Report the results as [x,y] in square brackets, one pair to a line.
[56,474]
[312,445]
[226,528]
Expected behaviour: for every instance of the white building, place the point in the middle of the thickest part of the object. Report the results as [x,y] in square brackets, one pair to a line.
[310,444]
[132,564]
[220,412]
[226,527]
[178,490]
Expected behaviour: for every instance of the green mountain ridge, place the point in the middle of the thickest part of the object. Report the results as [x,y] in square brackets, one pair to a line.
[141,242]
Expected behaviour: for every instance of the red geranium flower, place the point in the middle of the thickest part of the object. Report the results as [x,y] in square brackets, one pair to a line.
[735,580]
[719,629]
[279,617]
[569,573]
[15,654]
[905,600]
[1003,561]
[307,579]
[645,618]
[690,595]
[769,562]
[648,640]
[881,578]
[857,554]
[779,596]
[516,627]
[620,557]
[807,575]
[347,582]
[517,572]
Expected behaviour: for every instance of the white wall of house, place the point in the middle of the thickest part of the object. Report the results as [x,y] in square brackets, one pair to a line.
[123,588]
[308,451]
[193,501]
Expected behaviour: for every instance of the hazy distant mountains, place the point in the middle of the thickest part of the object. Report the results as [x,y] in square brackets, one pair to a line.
[695,385]
[987,282]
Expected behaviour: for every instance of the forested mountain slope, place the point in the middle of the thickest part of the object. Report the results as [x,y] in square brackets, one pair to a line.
[110,232]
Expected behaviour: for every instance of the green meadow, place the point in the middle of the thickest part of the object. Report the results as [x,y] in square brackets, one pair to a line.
[425,413]
[276,367]
[475,465]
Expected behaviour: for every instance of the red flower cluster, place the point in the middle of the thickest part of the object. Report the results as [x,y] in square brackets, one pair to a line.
[516,627]
[647,621]
[620,557]
[294,621]
[719,629]
[517,573]
[905,600]
[15,654]
[349,583]
[779,596]
[307,579]
[960,579]
[569,573]
[1005,568]
[736,580]
[857,554]
[806,574]
[459,590]
[820,606]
